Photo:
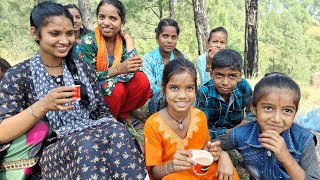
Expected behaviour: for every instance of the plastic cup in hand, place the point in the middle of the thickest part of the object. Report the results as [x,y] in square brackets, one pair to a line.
[77,91]
[203,160]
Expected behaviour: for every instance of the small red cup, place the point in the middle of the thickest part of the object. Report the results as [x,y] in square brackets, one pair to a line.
[77,91]
[203,160]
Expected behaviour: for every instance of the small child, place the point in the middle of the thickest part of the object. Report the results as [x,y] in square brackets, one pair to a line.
[171,133]
[217,41]
[225,97]
[273,147]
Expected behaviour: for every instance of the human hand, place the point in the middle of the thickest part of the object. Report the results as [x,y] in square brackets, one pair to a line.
[181,161]
[225,167]
[214,149]
[124,34]
[274,142]
[57,97]
[130,65]
[210,54]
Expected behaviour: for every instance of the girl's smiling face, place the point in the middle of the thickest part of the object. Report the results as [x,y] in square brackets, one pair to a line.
[276,109]
[180,92]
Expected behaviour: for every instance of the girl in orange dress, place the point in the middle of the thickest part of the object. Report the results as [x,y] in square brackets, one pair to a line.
[172,133]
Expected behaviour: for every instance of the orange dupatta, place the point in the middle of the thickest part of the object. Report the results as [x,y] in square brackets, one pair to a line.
[102,60]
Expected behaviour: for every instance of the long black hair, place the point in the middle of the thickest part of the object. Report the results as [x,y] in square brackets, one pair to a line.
[83,29]
[40,16]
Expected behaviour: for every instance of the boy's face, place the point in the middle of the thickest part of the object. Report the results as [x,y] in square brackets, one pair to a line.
[225,80]
[275,111]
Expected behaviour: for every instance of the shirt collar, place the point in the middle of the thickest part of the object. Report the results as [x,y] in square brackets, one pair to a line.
[157,53]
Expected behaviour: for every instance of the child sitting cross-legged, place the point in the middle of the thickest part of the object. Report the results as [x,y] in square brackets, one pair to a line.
[274,147]
[172,133]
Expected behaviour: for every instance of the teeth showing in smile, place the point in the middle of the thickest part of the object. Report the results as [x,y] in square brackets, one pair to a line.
[181,103]
[62,48]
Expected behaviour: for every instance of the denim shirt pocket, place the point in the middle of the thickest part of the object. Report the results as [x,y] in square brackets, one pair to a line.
[280,171]
[255,161]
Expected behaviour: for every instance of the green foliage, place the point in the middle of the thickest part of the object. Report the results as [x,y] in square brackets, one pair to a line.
[288,30]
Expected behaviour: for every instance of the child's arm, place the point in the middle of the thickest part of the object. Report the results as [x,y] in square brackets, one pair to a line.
[273,141]
[225,167]
[309,162]
[181,161]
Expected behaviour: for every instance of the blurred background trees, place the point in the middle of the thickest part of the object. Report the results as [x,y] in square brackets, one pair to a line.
[288,30]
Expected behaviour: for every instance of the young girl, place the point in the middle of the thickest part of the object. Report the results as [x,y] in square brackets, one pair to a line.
[110,50]
[217,41]
[273,147]
[89,142]
[78,27]
[171,133]
[167,35]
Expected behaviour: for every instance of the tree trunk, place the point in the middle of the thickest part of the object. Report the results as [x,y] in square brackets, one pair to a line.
[160,9]
[171,7]
[251,39]
[85,9]
[201,24]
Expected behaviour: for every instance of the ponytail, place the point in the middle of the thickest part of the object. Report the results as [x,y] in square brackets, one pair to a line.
[71,65]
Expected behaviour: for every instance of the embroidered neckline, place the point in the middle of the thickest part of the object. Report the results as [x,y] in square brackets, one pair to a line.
[168,133]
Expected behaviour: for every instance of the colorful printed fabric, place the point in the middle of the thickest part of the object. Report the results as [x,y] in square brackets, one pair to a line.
[161,143]
[107,151]
[18,160]
[88,50]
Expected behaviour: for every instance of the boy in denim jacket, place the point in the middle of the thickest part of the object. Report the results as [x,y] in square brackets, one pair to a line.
[226,96]
[273,147]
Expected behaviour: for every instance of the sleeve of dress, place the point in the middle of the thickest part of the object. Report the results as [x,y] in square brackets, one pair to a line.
[11,97]
[309,163]
[12,94]
[153,147]
[205,125]
[247,92]
[149,71]
[88,52]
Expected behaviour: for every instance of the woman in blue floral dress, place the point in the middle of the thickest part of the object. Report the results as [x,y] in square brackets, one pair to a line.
[89,142]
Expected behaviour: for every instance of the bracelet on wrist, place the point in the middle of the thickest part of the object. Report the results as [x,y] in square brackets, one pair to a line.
[166,168]
[32,113]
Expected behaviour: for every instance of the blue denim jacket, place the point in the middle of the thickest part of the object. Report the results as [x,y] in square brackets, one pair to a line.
[262,163]
[223,115]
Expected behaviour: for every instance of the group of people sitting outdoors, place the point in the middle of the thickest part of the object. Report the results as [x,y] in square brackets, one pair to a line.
[45,129]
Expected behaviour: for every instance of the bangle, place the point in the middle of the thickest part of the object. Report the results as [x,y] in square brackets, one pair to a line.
[33,115]
[166,168]
[117,70]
